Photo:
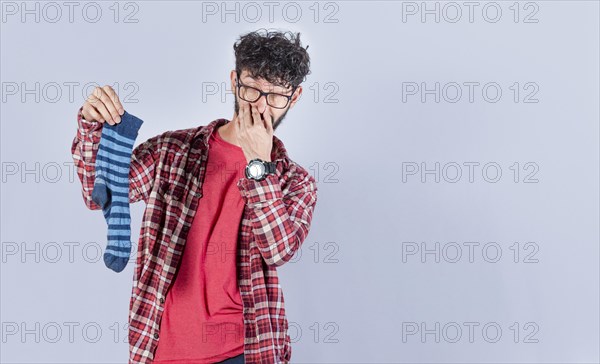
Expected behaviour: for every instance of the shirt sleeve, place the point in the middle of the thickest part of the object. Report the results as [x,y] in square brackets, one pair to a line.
[85,148]
[280,222]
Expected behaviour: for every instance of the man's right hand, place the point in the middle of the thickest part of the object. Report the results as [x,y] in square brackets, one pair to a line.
[103,105]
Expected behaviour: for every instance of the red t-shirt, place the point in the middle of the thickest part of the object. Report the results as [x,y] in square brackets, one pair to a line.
[202,320]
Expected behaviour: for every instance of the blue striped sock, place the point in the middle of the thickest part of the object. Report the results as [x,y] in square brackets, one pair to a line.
[111,187]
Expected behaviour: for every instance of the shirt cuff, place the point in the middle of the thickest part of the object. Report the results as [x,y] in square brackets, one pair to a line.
[257,192]
[88,130]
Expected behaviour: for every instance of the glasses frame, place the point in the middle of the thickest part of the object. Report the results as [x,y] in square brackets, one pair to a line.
[262,93]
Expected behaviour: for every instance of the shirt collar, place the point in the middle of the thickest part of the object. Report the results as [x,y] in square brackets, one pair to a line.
[204,132]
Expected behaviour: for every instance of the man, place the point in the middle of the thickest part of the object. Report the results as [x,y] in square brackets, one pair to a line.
[225,206]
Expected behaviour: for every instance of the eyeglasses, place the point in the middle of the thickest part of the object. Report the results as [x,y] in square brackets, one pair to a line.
[252,94]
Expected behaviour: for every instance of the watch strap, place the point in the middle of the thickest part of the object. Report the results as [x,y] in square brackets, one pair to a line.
[270,167]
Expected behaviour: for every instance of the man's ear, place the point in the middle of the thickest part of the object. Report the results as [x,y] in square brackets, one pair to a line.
[296,96]
[232,77]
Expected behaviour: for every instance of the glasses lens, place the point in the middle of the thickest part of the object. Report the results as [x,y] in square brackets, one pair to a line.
[278,101]
[249,94]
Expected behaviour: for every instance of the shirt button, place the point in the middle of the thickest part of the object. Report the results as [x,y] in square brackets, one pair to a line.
[156,335]
[161,300]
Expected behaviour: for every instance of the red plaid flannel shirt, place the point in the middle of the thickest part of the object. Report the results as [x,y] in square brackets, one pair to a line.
[167,172]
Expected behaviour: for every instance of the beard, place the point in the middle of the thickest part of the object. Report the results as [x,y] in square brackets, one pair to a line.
[276,123]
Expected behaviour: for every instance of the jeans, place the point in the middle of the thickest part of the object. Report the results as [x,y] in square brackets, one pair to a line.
[235,360]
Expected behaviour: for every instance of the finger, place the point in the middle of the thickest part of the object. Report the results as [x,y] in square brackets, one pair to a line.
[236,124]
[105,114]
[107,98]
[248,122]
[90,113]
[96,103]
[115,100]
[247,115]
[257,120]
[99,102]
[84,114]
[269,124]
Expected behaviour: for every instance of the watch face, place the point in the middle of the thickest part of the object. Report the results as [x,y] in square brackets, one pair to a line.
[256,169]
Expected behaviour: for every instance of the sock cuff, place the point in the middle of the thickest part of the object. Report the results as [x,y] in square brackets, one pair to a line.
[129,126]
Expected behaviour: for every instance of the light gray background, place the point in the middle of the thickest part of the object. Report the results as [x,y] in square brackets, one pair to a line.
[350,292]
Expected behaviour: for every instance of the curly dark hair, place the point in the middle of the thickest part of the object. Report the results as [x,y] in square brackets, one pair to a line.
[272,56]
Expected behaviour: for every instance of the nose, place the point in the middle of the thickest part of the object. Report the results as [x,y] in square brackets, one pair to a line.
[261,104]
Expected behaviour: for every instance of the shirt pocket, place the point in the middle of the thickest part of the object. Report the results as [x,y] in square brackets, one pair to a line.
[174,197]
[174,194]
[171,197]
[170,193]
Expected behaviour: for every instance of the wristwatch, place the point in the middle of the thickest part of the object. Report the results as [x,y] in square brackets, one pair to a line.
[258,169]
